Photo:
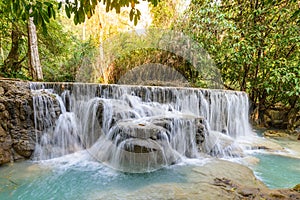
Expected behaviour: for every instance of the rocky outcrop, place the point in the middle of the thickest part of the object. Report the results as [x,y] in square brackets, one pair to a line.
[281,117]
[17,135]
[19,129]
[276,133]
[276,117]
[140,146]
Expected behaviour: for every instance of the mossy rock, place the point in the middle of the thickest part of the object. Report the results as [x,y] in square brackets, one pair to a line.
[297,188]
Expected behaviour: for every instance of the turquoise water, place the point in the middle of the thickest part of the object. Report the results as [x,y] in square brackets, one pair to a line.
[69,178]
[278,171]
[77,176]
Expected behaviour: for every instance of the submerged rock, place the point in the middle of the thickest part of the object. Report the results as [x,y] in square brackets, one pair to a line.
[216,179]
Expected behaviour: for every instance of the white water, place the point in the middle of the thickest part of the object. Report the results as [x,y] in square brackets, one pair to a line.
[110,121]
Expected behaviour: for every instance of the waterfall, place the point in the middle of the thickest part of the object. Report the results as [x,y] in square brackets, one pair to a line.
[137,128]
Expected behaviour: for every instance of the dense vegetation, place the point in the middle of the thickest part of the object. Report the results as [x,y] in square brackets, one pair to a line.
[61,51]
[255,44]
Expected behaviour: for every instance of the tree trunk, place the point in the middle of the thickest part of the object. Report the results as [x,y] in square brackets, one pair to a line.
[33,52]
[11,63]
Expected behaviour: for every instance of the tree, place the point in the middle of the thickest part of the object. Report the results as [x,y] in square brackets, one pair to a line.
[255,45]
[21,12]
[33,52]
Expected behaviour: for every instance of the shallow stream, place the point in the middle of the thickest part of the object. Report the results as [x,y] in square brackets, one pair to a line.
[78,176]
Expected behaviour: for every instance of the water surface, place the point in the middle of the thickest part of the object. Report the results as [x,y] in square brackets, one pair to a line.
[277,171]
[76,176]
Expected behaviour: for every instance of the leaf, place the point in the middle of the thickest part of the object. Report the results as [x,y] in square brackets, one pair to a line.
[118,9]
[24,17]
[44,16]
[89,14]
[131,14]
[44,27]
[154,2]
[135,20]
[49,12]
[295,14]
[76,19]
[138,14]
[94,2]
[59,5]
[53,13]
[67,8]
[81,16]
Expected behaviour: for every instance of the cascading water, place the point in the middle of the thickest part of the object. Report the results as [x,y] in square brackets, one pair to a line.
[137,128]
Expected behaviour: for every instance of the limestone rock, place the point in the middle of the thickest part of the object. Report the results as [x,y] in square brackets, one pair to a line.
[216,179]
[16,120]
[2,91]
[24,148]
[5,156]
[138,146]
[275,133]
[2,132]
[2,107]
[138,130]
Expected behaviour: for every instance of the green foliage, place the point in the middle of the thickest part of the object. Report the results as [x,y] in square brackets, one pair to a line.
[41,11]
[168,48]
[164,14]
[139,57]
[14,17]
[60,52]
[255,45]
[64,66]
[86,8]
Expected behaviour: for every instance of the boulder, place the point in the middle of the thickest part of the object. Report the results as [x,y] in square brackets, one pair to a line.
[135,145]
[129,129]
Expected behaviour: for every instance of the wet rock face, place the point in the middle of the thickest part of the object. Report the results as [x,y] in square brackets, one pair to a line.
[150,144]
[17,133]
[17,123]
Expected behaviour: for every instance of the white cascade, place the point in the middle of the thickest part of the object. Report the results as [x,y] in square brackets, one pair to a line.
[137,128]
